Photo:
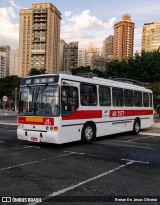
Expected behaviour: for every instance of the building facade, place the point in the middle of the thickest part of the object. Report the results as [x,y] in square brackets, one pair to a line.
[5,59]
[151,36]
[39,38]
[108,47]
[70,56]
[14,62]
[81,57]
[90,51]
[61,55]
[123,38]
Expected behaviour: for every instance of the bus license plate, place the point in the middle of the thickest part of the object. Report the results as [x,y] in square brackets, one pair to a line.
[34,139]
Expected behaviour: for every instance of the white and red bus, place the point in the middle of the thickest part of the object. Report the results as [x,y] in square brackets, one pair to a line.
[65,108]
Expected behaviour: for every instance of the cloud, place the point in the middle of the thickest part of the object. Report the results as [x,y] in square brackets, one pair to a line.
[16,6]
[86,28]
[67,13]
[9,34]
[85,21]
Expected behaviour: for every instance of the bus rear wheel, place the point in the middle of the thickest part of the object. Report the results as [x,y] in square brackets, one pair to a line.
[88,133]
[136,127]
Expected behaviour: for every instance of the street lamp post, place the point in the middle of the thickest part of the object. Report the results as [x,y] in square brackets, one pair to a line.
[15,99]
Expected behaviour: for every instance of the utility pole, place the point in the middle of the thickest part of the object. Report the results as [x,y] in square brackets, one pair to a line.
[15,99]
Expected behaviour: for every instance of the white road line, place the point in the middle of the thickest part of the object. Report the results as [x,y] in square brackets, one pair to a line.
[135,161]
[18,148]
[140,138]
[86,181]
[20,165]
[26,147]
[7,123]
[2,142]
[71,153]
[149,133]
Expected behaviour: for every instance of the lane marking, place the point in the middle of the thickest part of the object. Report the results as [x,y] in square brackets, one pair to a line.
[17,148]
[7,123]
[62,191]
[149,133]
[27,163]
[140,138]
[70,153]
[135,161]
[20,165]
[2,142]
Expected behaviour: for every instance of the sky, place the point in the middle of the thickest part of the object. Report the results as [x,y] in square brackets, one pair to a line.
[84,21]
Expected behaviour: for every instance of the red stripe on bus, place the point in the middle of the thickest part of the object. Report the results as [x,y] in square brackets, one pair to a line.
[126,113]
[44,121]
[84,114]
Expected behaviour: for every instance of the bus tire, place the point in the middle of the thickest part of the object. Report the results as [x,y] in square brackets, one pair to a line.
[88,133]
[136,126]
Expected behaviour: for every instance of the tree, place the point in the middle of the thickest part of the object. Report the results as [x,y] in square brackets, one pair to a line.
[35,71]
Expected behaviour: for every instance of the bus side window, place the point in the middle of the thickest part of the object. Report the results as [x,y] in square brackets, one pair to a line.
[128,98]
[69,100]
[104,96]
[138,99]
[151,101]
[88,95]
[145,99]
[118,99]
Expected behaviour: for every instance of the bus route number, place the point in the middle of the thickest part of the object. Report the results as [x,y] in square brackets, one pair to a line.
[117,113]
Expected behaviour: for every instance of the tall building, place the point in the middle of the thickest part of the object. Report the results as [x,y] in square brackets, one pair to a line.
[2,64]
[123,38]
[108,47]
[13,65]
[81,57]
[39,38]
[61,54]
[90,51]
[151,36]
[5,58]
[70,56]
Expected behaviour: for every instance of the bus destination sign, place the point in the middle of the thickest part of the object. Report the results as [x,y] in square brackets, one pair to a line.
[40,80]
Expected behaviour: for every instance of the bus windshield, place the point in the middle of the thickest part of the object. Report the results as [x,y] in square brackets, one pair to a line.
[42,100]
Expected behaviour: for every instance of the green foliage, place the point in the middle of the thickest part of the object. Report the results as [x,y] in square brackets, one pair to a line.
[35,71]
[87,69]
[8,85]
[144,68]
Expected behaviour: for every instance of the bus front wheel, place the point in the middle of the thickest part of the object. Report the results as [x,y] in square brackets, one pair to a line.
[88,133]
[136,127]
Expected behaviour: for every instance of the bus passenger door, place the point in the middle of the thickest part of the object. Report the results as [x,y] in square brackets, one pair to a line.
[69,100]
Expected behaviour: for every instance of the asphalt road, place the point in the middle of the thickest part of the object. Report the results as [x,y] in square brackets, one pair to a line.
[113,168]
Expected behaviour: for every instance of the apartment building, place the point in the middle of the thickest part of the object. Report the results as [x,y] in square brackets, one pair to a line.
[61,55]
[108,47]
[81,57]
[90,51]
[123,38]
[70,56]
[151,36]
[39,38]
[4,60]
[14,62]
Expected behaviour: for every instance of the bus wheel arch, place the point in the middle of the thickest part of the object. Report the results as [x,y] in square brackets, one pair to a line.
[136,126]
[88,134]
